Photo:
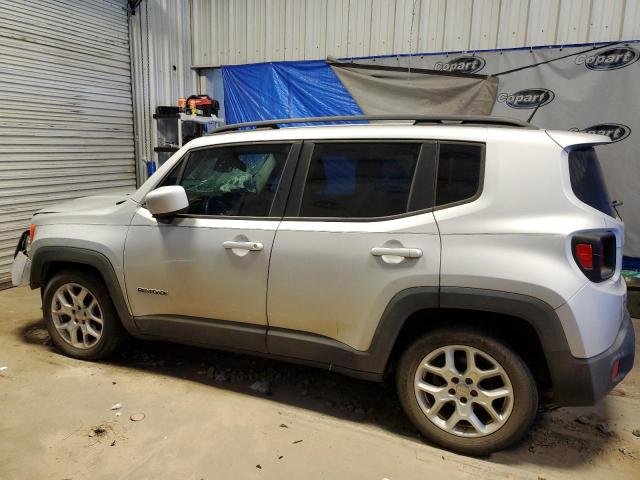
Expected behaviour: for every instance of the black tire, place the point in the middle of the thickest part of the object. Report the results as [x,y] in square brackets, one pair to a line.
[525,393]
[113,334]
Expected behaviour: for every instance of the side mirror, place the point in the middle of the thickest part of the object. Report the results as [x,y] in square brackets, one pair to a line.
[165,202]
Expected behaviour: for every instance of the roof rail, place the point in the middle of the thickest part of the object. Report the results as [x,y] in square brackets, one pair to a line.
[416,119]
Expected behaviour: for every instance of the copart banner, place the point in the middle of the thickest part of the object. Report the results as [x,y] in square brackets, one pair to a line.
[587,88]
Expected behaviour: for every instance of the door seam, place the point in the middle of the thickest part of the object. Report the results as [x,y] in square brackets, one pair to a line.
[273,243]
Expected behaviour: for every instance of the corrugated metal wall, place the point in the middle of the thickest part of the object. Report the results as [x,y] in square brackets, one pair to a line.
[66,126]
[246,31]
[160,34]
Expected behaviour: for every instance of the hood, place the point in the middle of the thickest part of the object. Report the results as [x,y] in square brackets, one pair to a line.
[98,204]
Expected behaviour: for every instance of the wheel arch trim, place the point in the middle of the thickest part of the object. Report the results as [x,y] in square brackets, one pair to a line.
[535,312]
[46,255]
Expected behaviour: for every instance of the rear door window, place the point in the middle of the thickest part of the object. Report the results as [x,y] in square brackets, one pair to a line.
[359,180]
[587,181]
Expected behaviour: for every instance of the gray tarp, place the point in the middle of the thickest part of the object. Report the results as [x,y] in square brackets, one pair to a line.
[388,91]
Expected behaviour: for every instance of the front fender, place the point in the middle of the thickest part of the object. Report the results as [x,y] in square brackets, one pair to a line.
[43,257]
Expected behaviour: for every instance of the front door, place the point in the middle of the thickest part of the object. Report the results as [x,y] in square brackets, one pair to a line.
[206,271]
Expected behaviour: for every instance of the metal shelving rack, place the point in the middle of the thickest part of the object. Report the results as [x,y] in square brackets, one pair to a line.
[173,128]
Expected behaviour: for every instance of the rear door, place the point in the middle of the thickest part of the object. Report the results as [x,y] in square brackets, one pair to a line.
[359,228]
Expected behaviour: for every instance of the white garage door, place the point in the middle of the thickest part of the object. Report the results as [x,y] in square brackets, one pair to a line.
[66,127]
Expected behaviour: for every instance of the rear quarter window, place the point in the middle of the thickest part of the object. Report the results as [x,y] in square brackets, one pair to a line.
[459,173]
[587,181]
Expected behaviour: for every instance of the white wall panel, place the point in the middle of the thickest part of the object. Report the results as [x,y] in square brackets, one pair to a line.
[383,16]
[457,27]
[237,32]
[606,20]
[484,24]
[431,25]
[314,29]
[220,30]
[294,29]
[206,48]
[573,22]
[542,22]
[337,28]
[256,30]
[512,29]
[631,20]
[407,25]
[274,44]
[315,40]
[359,36]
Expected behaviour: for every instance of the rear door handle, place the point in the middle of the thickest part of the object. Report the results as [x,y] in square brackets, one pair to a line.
[396,252]
[252,246]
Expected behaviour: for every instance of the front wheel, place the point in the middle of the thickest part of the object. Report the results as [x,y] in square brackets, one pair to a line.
[466,391]
[80,316]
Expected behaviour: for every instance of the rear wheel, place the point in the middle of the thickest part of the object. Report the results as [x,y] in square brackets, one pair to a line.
[466,391]
[80,316]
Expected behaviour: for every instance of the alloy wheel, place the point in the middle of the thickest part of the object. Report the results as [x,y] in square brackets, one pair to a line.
[464,391]
[77,315]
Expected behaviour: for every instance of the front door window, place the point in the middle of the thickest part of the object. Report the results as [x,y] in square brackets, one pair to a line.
[233,181]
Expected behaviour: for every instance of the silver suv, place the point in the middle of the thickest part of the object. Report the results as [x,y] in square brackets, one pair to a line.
[475,259]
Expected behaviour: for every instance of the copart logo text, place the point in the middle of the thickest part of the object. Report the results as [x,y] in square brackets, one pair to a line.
[610,59]
[467,64]
[529,98]
[615,131]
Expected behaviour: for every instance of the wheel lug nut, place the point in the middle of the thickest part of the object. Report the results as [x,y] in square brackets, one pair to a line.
[474,393]
[455,380]
[463,400]
[468,381]
[452,391]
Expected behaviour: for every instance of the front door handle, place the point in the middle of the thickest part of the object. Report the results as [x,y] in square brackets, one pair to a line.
[252,246]
[396,252]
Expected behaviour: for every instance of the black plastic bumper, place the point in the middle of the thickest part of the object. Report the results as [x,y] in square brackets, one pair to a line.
[584,381]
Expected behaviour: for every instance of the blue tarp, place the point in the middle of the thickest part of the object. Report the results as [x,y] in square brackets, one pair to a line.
[266,91]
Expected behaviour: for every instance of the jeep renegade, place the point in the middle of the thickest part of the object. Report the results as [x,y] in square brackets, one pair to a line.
[474,259]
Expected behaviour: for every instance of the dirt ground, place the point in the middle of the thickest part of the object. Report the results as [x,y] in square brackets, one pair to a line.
[203,420]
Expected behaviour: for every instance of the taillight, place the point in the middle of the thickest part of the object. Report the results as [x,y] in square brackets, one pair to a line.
[584,255]
[32,231]
[595,254]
